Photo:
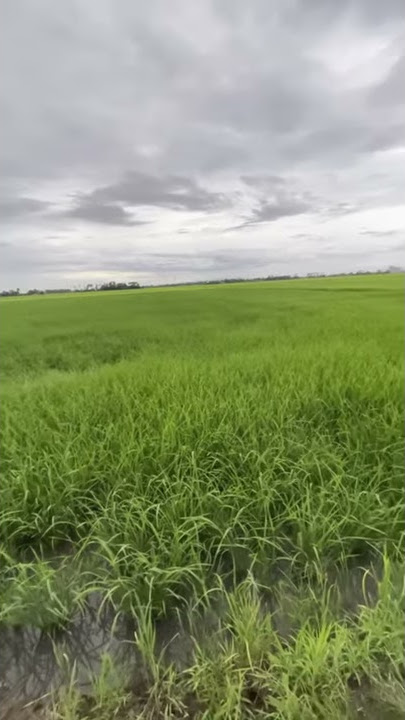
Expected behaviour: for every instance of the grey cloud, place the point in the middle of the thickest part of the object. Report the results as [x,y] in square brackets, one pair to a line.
[263,181]
[171,191]
[67,265]
[337,252]
[389,239]
[392,136]
[363,14]
[106,213]
[270,102]
[203,148]
[281,205]
[225,262]
[52,260]
[12,208]
[200,261]
[309,236]
[275,199]
[340,208]
[125,75]
[335,140]
[380,233]
[390,90]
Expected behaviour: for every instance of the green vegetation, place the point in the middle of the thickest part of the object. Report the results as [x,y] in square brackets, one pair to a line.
[229,451]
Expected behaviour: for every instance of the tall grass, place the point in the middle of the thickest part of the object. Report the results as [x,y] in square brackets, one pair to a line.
[181,438]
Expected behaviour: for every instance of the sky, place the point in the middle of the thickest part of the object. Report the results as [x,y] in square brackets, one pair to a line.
[176,141]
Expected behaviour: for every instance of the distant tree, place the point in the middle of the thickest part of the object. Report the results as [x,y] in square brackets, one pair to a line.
[119,286]
[53,291]
[10,293]
[279,277]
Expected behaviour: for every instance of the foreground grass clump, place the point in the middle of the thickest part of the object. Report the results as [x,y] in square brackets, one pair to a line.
[244,668]
[188,439]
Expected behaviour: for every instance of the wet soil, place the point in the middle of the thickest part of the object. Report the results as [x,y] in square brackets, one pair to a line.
[34,664]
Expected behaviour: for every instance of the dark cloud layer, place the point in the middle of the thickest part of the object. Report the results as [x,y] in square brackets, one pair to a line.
[91,86]
[256,112]
[89,209]
[109,204]
[15,207]
[175,192]
[278,208]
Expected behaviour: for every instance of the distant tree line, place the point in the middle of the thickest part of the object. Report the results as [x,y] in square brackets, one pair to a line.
[10,293]
[116,286]
[269,278]
[133,285]
[89,288]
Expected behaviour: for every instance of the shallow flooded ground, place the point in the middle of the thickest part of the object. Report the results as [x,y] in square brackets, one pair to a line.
[36,664]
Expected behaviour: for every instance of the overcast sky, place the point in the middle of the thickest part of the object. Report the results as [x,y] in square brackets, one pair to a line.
[163,141]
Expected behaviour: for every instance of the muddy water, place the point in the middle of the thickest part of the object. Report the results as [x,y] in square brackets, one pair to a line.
[34,664]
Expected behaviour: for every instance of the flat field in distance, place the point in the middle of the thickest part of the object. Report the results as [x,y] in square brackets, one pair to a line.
[222,460]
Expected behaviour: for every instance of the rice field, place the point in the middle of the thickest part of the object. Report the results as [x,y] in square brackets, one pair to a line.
[221,467]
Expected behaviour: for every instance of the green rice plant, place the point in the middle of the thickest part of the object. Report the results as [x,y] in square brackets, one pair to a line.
[41,594]
[213,447]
